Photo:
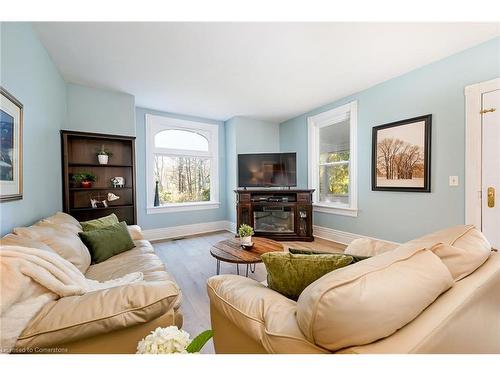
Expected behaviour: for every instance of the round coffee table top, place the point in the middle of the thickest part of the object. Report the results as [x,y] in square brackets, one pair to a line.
[231,251]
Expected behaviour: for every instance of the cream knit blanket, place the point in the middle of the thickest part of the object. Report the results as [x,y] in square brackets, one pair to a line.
[30,278]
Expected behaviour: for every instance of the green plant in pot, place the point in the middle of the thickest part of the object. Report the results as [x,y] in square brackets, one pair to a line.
[84,179]
[245,232]
[103,155]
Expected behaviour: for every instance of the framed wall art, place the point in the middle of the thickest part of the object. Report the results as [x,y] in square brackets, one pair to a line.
[11,147]
[401,155]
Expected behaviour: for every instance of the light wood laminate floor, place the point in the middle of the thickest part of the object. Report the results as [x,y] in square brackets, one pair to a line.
[189,261]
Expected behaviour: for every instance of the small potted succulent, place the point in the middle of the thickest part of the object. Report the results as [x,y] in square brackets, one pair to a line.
[245,232]
[103,155]
[85,179]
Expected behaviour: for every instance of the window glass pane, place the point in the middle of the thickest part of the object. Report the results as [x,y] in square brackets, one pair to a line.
[334,163]
[334,183]
[181,140]
[182,179]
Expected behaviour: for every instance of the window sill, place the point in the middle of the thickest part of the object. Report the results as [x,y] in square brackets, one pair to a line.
[179,207]
[336,210]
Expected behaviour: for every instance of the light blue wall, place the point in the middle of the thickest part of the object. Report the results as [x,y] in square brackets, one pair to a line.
[245,135]
[438,89]
[178,218]
[28,73]
[100,111]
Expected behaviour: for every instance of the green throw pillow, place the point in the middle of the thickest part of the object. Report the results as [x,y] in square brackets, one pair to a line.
[100,223]
[106,242]
[355,258]
[289,274]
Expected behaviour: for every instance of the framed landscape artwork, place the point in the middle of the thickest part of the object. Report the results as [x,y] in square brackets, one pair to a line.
[11,147]
[401,155]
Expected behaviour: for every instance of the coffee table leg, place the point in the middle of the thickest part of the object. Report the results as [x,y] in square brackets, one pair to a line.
[218,267]
[247,271]
[237,268]
[252,269]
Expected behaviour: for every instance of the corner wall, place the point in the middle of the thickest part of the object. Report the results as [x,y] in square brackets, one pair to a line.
[29,74]
[245,135]
[438,89]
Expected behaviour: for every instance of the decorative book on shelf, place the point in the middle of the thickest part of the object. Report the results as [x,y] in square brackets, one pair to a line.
[98,175]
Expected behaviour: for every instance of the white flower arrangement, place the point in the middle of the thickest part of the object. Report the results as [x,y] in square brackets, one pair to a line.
[172,340]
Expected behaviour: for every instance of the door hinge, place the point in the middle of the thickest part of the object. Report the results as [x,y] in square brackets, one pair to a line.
[483,111]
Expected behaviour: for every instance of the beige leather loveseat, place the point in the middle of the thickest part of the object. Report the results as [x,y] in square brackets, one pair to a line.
[104,321]
[437,294]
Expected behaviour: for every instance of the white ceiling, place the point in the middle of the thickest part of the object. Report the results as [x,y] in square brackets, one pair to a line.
[268,71]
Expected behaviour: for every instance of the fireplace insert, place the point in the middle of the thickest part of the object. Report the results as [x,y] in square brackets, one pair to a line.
[274,219]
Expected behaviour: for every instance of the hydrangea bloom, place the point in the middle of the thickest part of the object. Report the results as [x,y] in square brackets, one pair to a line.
[168,340]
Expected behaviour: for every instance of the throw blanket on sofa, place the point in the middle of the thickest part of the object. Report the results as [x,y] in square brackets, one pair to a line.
[30,278]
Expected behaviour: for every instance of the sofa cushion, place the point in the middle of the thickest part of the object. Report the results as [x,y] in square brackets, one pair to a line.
[77,317]
[368,247]
[67,221]
[462,248]
[15,240]
[60,238]
[100,223]
[108,241]
[371,299]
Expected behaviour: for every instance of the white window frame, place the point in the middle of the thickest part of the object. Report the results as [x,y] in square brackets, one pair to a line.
[156,124]
[315,123]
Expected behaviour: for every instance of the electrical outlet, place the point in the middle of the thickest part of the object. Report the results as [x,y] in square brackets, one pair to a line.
[453,181]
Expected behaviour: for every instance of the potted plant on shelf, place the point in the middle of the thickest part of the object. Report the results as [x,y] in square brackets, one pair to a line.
[103,155]
[85,179]
[245,232]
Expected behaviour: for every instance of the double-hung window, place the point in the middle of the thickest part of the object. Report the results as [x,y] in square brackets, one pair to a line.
[182,165]
[332,160]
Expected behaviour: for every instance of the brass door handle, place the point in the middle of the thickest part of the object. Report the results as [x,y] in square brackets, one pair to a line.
[491,197]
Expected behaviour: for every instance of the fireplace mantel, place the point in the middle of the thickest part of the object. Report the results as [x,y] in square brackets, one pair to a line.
[282,215]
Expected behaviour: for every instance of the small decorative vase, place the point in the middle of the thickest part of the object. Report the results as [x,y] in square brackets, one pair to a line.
[246,241]
[103,159]
[86,184]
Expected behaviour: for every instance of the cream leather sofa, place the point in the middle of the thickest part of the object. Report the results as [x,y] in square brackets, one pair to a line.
[436,294]
[106,321]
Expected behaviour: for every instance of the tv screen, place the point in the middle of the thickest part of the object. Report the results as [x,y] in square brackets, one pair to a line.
[267,170]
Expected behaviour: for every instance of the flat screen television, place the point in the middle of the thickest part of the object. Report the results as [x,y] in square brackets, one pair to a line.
[267,170]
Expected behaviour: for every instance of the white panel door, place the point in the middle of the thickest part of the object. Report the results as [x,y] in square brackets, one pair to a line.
[490,205]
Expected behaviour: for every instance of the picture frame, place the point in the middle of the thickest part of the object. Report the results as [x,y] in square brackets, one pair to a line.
[11,150]
[401,155]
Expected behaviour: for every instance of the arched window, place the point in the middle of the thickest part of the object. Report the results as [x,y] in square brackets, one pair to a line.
[182,157]
[181,140]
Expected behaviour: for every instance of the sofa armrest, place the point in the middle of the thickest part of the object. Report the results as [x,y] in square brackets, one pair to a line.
[262,314]
[135,232]
[77,317]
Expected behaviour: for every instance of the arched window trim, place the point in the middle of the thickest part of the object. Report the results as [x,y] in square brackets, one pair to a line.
[156,124]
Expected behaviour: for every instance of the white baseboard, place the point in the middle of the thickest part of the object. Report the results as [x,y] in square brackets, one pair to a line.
[214,226]
[340,236]
[185,230]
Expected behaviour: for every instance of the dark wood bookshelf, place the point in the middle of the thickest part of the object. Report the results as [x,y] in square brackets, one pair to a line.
[79,151]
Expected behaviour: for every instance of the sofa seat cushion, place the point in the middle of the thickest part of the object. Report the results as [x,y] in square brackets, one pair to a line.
[462,248]
[78,317]
[62,239]
[370,300]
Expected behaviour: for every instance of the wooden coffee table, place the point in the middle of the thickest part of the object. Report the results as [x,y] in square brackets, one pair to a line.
[230,251]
